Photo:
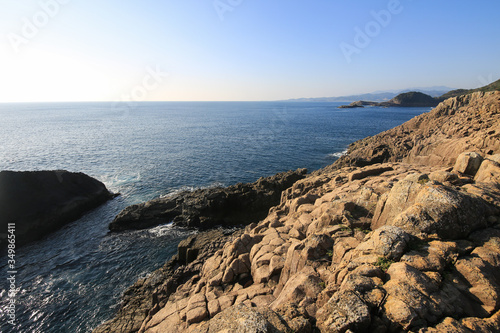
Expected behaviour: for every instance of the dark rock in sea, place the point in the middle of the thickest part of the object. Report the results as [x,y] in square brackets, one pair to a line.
[206,208]
[358,104]
[39,202]
[350,106]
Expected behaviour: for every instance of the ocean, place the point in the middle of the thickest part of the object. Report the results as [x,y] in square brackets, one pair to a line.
[72,280]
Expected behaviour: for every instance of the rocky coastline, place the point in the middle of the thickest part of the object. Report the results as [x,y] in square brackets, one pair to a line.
[40,202]
[400,234]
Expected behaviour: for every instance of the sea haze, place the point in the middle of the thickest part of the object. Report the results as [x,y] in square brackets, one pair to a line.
[72,280]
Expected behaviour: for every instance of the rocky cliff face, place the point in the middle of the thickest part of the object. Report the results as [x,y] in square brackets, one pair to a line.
[39,202]
[408,240]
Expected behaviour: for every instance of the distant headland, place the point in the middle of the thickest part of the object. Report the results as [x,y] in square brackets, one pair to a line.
[420,99]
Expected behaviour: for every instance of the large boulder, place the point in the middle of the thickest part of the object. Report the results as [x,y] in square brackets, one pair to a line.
[468,163]
[39,202]
[489,171]
[241,318]
[424,208]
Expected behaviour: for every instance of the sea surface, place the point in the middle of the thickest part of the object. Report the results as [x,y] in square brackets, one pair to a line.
[72,280]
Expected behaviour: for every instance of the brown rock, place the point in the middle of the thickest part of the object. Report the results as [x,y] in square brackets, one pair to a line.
[241,318]
[422,208]
[368,171]
[468,163]
[489,171]
[387,241]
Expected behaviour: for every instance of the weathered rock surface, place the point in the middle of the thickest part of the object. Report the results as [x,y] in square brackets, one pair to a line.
[39,202]
[207,208]
[389,247]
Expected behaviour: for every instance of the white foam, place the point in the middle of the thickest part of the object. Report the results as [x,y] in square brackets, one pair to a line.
[338,155]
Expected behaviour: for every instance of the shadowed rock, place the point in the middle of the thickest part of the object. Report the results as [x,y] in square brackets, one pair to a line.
[39,202]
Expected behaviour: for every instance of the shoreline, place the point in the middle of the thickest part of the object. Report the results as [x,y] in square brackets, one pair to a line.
[302,215]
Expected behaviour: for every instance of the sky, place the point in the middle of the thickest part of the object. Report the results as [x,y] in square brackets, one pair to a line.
[241,50]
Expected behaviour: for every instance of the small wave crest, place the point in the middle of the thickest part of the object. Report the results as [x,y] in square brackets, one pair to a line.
[338,154]
[191,189]
[170,230]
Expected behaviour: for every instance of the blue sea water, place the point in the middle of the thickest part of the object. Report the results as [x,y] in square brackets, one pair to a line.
[73,279]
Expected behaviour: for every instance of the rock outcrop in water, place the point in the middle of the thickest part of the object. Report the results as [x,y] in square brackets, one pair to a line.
[207,208]
[405,241]
[39,202]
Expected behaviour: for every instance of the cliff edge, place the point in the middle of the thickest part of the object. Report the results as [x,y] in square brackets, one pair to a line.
[402,234]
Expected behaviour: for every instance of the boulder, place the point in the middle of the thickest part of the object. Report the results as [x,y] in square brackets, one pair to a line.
[489,171]
[241,318]
[468,163]
[388,241]
[423,208]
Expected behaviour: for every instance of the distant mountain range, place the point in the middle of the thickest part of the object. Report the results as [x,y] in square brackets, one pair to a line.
[377,96]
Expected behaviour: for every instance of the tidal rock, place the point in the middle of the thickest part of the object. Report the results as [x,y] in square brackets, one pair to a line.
[206,208]
[39,202]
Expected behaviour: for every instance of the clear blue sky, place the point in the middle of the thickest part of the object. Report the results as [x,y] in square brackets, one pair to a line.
[98,50]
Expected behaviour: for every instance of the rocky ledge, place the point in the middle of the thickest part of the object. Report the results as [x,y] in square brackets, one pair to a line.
[39,202]
[206,208]
[391,246]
